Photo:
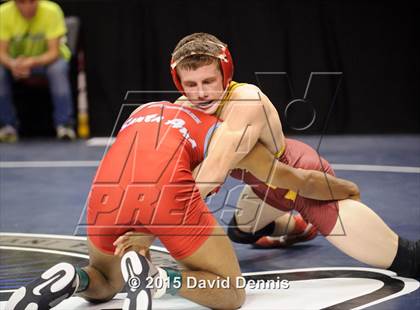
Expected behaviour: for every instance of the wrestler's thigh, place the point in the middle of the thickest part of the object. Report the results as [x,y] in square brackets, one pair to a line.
[216,255]
[252,213]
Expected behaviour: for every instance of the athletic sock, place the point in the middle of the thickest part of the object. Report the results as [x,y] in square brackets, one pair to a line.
[83,280]
[407,261]
[174,280]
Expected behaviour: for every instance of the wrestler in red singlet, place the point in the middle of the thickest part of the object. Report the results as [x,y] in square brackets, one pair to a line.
[144,183]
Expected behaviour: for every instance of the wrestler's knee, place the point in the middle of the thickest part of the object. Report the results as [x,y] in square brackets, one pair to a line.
[326,167]
[237,294]
[324,216]
[239,298]
[98,301]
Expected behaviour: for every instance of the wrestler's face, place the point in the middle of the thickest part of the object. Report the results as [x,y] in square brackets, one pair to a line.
[203,87]
[27,8]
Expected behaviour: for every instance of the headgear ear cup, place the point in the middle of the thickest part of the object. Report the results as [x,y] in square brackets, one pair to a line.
[175,77]
[227,67]
[226,64]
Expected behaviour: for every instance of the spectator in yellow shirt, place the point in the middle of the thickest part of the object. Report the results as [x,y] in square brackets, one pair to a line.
[32,41]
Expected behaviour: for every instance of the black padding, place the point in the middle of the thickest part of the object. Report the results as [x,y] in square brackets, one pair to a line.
[239,236]
[407,261]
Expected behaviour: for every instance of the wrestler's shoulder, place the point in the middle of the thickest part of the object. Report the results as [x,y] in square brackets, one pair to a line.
[183,101]
[247,91]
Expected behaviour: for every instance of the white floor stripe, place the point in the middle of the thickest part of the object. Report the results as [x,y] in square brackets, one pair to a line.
[94,163]
[100,141]
[12,234]
[376,168]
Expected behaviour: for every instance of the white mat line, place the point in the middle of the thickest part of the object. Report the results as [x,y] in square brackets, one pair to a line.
[15,248]
[95,163]
[49,164]
[67,237]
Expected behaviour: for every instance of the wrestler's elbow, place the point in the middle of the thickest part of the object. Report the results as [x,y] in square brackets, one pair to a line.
[354,191]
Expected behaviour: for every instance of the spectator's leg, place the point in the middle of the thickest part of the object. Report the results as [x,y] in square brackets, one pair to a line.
[57,74]
[7,111]
[8,120]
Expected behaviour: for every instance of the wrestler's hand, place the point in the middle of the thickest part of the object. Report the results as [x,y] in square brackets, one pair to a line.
[133,241]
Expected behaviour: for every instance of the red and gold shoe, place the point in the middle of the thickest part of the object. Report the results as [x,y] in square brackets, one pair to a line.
[303,232]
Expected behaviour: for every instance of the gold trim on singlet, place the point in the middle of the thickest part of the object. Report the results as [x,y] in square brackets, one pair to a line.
[290,195]
[277,155]
[232,86]
[280,152]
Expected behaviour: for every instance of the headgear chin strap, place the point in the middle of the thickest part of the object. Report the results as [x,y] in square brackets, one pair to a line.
[226,63]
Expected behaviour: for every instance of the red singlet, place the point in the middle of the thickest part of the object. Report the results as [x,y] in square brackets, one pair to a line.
[144,183]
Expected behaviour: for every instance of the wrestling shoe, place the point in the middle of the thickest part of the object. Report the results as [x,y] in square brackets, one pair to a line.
[52,287]
[8,134]
[303,232]
[139,275]
[65,133]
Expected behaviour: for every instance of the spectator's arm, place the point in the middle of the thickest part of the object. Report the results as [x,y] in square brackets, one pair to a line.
[5,59]
[14,65]
[51,55]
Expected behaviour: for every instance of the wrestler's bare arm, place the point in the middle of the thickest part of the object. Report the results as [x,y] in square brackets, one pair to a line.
[229,144]
[308,183]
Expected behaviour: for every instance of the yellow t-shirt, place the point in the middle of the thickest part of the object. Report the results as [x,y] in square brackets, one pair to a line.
[29,37]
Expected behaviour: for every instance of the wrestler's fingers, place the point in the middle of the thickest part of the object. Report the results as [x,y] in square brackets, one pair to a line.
[120,245]
[121,249]
[119,241]
[125,243]
[122,238]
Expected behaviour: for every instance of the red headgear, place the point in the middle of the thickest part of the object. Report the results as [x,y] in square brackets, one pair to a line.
[226,63]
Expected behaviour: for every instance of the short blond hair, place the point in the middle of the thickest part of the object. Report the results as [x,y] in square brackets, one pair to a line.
[197,50]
